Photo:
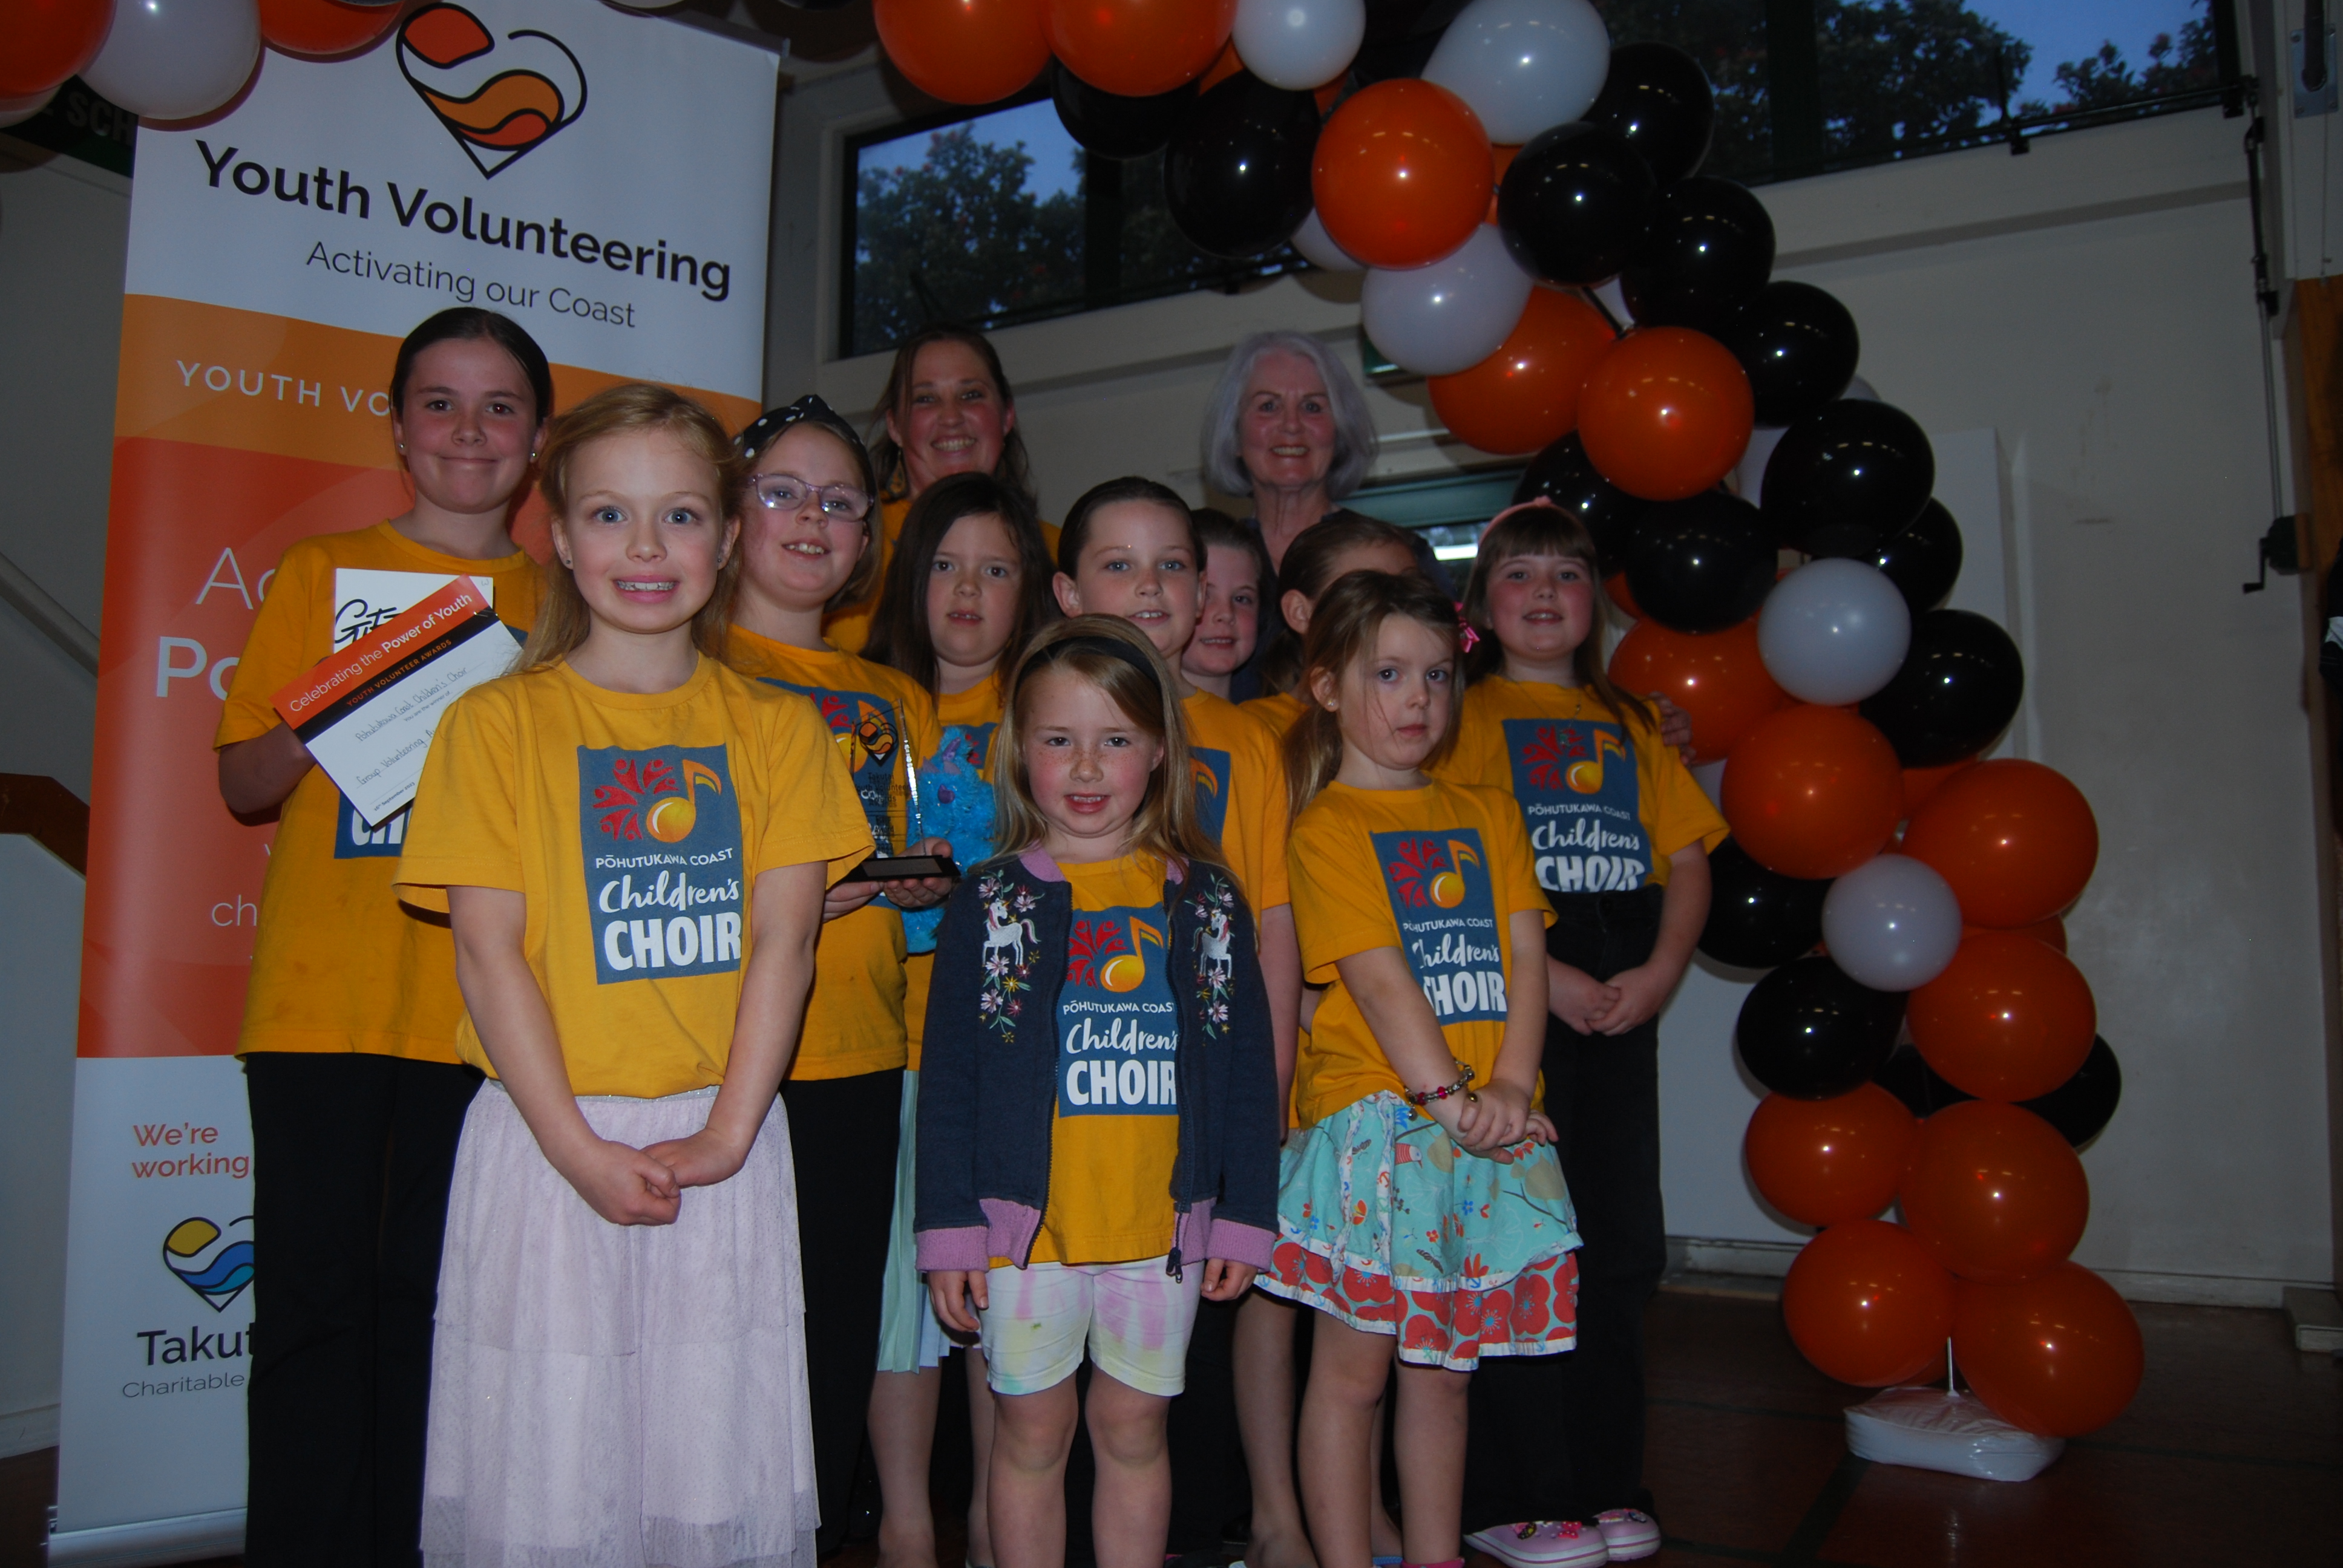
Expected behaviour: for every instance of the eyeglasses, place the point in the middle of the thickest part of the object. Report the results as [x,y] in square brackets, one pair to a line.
[787,493]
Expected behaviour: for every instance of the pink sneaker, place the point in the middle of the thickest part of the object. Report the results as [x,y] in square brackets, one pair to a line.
[1545,1543]
[1629,1533]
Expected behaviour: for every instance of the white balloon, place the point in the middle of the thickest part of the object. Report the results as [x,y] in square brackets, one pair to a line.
[1299,44]
[621,5]
[1710,776]
[1891,923]
[1834,631]
[1524,66]
[176,59]
[1319,249]
[1861,391]
[15,111]
[1448,316]
[1749,474]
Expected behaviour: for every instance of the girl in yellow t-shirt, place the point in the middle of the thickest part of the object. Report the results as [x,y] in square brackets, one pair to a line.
[1421,1208]
[1620,834]
[806,549]
[1319,556]
[967,587]
[631,844]
[1098,1135]
[1232,593]
[349,1023]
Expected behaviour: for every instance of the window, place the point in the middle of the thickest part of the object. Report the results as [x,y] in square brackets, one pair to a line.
[997,218]
[1450,509]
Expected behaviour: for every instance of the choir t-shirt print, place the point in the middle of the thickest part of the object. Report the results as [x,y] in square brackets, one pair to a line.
[661,832]
[1440,896]
[1118,1024]
[1580,799]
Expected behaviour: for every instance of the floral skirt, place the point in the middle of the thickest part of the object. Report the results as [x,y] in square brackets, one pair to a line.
[1386,1224]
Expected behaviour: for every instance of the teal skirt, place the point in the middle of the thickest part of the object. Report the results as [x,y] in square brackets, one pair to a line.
[1386,1224]
[910,1338]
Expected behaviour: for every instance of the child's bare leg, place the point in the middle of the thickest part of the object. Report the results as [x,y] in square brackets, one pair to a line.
[902,1440]
[1131,1510]
[1383,1533]
[1262,1350]
[1431,1443]
[1347,1370]
[980,1436]
[1032,1433]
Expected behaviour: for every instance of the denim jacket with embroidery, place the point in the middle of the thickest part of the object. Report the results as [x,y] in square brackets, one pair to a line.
[988,1071]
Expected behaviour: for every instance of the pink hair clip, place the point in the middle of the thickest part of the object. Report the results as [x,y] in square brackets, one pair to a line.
[1467,636]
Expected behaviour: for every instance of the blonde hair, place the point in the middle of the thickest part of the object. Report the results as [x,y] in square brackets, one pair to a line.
[1136,679]
[1343,630]
[1542,528]
[635,408]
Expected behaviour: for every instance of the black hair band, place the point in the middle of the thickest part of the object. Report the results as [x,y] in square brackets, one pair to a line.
[1113,648]
[808,409]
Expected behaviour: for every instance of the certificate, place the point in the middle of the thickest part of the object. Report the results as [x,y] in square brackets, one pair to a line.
[366,712]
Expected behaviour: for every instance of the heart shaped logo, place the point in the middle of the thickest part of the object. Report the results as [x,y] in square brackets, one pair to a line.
[497,100]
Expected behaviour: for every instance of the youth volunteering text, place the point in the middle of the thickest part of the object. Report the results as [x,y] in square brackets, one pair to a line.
[639,258]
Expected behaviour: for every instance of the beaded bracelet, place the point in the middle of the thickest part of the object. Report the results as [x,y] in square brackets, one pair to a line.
[1421,1097]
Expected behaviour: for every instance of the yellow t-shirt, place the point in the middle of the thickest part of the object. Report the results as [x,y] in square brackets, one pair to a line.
[1239,794]
[636,827]
[1279,709]
[967,720]
[1436,872]
[848,625]
[337,965]
[1115,1135]
[854,1024]
[1604,804]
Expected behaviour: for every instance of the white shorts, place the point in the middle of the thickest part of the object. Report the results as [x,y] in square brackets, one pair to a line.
[1134,1318]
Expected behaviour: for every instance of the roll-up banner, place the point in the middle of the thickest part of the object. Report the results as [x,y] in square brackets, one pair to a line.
[600,177]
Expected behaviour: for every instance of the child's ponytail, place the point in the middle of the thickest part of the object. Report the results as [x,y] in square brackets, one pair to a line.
[1343,630]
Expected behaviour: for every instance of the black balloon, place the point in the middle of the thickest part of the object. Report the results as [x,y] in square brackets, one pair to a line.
[1658,98]
[1574,202]
[1958,688]
[1563,474]
[1758,918]
[1799,347]
[2081,1108]
[1236,177]
[1850,463]
[1701,563]
[1708,249]
[819,4]
[1923,558]
[1808,1032]
[1111,125]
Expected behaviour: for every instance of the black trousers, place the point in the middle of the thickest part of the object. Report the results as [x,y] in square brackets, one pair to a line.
[843,1133]
[1562,1437]
[351,1160]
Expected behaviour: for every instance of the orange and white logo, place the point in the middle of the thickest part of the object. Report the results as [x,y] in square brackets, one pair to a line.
[497,100]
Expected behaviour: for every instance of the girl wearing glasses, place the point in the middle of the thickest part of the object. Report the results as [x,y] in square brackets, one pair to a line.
[805,541]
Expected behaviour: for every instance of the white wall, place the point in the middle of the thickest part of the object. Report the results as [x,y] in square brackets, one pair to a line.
[2090,303]
[64,227]
[40,971]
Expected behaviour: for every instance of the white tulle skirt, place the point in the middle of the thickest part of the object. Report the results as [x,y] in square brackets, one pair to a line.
[617,1396]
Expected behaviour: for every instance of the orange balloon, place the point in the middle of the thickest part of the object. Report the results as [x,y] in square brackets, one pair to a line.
[1402,174]
[2010,1018]
[324,29]
[1717,678]
[1137,47]
[1501,158]
[1667,414]
[1526,395]
[1812,792]
[1920,783]
[43,42]
[1866,1304]
[2059,1355]
[1994,1192]
[964,51]
[1826,1162]
[1228,65]
[2016,839]
[1615,587]
[2052,932]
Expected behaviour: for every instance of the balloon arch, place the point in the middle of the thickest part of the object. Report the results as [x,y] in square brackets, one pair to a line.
[1528,163]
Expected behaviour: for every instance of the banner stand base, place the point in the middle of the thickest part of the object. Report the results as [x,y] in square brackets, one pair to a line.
[190,1538]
